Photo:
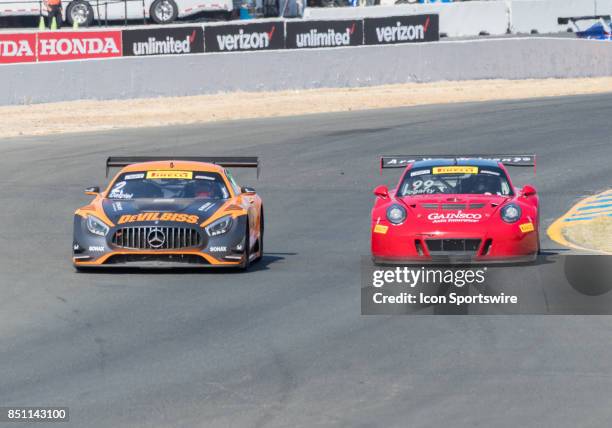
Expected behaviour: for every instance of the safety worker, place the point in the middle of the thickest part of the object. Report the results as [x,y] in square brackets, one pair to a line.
[54,10]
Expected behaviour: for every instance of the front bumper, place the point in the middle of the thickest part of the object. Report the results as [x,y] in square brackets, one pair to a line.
[227,250]
[503,245]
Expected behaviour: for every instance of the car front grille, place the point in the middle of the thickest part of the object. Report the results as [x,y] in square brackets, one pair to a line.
[454,206]
[156,238]
[457,206]
[156,260]
[452,246]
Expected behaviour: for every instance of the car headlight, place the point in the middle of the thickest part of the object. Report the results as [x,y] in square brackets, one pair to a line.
[96,226]
[396,214]
[511,213]
[219,227]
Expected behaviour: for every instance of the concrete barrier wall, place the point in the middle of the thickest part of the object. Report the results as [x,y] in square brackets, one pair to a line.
[510,58]
[494,17]
[456,19]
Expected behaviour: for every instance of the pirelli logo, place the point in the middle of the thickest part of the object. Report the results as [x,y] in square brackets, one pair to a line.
[181,218]
[187,175]
[455,170]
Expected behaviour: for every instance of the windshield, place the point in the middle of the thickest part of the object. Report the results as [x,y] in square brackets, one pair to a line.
[169,185]
[455,180]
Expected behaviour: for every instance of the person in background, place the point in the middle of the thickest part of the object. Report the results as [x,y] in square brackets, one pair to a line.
[54,10]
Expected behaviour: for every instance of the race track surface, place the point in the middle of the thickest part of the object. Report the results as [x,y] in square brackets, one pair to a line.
[284,344]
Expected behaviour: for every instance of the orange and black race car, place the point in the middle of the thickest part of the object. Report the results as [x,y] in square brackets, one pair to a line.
[171,212]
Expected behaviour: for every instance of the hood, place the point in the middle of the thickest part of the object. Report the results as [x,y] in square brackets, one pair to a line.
[202,208]
[453,211]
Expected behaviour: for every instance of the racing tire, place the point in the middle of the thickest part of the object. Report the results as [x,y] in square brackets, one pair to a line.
[163,11]
[247,249]
[81,12]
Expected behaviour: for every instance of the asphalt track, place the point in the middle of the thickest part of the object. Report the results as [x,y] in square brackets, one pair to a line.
[284,344]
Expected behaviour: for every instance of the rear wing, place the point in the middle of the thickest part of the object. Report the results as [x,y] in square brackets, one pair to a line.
[224,161]
[401,161]
[603,19]
[573,19]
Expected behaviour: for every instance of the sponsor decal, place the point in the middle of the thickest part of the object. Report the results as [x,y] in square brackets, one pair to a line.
[401,29]
[62,45]
[96,249]
[484,171]
[169,174]
[395,161]
[323,34]
[117,191]
[204,177]
[380,228]
[117,206]
[247,37]
[206,207]
[455,170]
[163,41]
[457,217]
[178,217]
[133,176]
[527,227]
[16,48]
[420,172]
[218,249]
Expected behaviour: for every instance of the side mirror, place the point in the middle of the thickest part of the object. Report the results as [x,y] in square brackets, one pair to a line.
[382,192]
[248,190]
[93,191]
[529,190]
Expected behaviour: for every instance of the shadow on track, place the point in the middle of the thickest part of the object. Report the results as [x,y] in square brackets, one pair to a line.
[261,265]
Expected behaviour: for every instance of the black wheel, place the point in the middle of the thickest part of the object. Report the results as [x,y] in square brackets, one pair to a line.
[163,11]
[79,11]
[230,15]
[247,248]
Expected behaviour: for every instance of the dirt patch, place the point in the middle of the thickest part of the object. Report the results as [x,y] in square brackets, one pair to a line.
[596,234]
[83,116]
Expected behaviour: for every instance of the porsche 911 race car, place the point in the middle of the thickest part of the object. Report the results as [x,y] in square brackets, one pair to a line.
[449,209]
[171,212]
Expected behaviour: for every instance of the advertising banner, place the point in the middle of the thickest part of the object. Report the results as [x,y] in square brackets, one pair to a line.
[323,34]
[163,41]
[17,48]
[401,29]
[63,45]
[247,37]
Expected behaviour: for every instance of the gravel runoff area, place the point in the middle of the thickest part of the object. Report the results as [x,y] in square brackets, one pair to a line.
[94,115]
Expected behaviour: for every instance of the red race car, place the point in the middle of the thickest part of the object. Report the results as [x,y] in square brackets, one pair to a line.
[450,209]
